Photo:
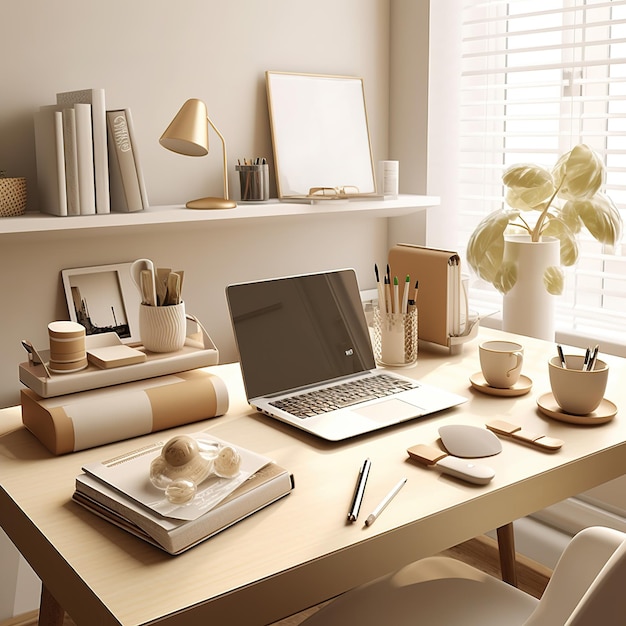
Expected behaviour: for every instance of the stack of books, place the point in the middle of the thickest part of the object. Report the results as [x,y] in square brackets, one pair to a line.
[119,491]
[87,158]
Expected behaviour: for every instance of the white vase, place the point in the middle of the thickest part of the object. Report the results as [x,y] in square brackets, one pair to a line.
[528,308]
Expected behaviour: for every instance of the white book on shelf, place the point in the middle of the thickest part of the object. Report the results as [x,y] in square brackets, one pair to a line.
[95,97]
[140,178]
[84,149]
[71,161]
[78,151]
[50,155]
[126,180]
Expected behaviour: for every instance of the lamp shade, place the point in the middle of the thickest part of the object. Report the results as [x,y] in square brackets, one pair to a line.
[188,132]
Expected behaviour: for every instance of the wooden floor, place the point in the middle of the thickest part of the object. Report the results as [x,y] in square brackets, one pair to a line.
[481,552]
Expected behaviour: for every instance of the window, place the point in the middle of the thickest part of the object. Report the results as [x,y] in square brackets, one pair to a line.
[538,77]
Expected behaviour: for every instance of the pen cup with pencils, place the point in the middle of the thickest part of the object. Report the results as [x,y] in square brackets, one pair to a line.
[254,180]
[395,337]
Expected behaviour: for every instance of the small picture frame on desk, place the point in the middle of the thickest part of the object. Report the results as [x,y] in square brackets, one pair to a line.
[103,298]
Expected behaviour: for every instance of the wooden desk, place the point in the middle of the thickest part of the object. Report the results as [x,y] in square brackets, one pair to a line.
[300,550]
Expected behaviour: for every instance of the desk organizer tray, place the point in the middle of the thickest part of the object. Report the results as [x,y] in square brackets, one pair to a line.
[198,351]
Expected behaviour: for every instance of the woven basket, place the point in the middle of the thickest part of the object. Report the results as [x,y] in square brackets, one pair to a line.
[12,196]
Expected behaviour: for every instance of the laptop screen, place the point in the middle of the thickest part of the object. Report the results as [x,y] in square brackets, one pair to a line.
[299,330]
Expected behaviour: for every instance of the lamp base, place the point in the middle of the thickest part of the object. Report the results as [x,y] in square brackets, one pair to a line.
[211,203]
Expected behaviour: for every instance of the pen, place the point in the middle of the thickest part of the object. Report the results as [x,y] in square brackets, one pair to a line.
[396,295]
[405,294]
[381,293]
[592,359]
[385,501]
[561,356]
[586,361]
[387,296]
[415,293]
[359,491]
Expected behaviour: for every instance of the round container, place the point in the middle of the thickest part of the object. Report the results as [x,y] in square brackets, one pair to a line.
[67,347]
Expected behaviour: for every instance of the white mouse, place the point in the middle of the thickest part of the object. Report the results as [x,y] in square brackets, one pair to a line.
[469,442]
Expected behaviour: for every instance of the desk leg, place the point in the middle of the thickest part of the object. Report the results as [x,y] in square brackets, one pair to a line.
[506,547]
[51,613]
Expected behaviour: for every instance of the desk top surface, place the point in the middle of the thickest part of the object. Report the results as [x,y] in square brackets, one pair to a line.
[301,549]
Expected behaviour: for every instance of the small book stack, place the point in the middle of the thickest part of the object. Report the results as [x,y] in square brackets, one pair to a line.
[87,159]
[120,492]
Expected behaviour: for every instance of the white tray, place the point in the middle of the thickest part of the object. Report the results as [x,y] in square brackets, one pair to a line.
[198,351]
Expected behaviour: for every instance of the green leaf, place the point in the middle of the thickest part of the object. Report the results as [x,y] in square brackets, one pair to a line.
[578,174]
[485,248]
[506,277]
[600,217]
[529,186]
[554,280]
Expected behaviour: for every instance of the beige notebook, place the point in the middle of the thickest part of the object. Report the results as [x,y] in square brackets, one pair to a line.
[438,273]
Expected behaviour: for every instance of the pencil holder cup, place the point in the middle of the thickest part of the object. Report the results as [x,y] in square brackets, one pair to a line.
[162,328]
[395,338]
[254,181]
[576,391]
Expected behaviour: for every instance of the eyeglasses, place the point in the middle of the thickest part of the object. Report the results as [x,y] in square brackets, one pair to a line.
[334,192]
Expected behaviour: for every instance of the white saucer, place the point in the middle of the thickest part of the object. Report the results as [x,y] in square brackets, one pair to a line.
[604,413]
[522,386]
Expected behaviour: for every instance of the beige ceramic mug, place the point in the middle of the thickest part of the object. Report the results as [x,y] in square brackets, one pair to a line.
[577,392]
[501,362]
[162,328]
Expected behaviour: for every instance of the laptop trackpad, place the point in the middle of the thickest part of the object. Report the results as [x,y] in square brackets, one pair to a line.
[392,410]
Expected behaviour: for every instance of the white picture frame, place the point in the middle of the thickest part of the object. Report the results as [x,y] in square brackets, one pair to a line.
[103,298]
[320,133]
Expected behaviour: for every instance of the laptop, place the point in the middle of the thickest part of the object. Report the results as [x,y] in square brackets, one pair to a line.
[306,335]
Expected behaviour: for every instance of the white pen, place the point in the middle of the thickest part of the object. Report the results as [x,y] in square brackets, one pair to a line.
[388,305]
[405,294]
[396,295]
[371,518]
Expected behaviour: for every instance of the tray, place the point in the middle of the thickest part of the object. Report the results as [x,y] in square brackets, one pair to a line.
[198,351]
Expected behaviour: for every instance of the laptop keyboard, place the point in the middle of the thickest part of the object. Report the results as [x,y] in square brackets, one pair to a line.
[311,403]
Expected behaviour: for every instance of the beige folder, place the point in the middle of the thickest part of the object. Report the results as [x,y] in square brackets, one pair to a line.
[438,273]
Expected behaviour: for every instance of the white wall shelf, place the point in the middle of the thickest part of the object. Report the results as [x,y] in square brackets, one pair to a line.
[171,215]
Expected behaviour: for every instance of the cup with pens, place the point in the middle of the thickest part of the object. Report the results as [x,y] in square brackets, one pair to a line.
[254,179]
[578,382]
[395,322]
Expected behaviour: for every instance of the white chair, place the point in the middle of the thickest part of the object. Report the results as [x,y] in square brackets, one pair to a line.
[588,587]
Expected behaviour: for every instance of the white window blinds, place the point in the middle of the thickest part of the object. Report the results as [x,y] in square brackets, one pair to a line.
[539,77]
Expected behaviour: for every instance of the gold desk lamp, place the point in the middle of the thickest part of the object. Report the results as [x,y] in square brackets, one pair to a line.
[188,134]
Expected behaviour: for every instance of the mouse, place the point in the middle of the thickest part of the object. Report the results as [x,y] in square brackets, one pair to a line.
[469,441]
